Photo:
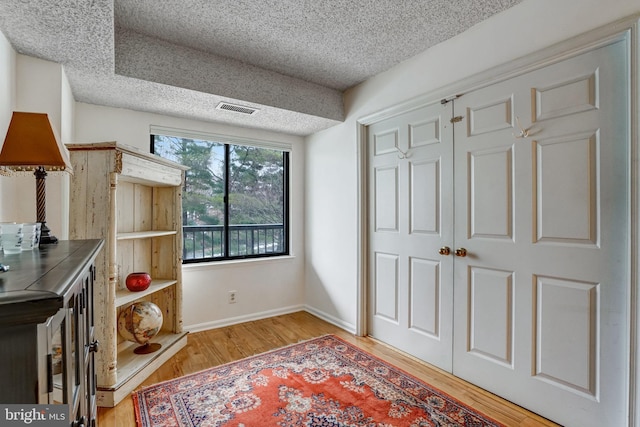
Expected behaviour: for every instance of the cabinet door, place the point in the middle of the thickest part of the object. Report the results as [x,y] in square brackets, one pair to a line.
[91,346]
[537,283]
[540,298]
[56,359]
[76,392]
[410,295]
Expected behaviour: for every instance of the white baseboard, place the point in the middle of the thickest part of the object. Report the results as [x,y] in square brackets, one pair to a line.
[349,327]
[271,313]
[241,319]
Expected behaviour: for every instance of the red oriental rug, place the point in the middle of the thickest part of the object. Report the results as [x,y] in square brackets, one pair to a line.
[322,382]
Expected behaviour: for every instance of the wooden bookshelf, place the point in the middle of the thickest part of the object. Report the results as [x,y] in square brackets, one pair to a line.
[132,200]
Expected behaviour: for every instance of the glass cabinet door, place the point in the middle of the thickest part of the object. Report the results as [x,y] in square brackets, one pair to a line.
[91,346]
[76,402]
[57,366]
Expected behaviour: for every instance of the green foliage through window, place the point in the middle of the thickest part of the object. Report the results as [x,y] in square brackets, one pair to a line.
[235,198]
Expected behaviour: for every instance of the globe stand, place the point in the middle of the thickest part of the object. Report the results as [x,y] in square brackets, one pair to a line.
[139,323]
[147,348]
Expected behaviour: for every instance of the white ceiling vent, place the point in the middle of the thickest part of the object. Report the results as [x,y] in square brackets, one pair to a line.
[237,108]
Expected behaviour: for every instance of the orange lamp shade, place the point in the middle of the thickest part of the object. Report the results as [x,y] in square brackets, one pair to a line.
[31,142]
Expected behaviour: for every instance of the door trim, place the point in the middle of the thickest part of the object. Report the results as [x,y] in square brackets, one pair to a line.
[625,30]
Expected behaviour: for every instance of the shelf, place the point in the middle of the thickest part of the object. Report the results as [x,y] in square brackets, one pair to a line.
[133,368]
[125,296]
[133,200]
[145,234]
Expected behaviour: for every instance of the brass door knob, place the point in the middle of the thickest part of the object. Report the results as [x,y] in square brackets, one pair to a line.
[461,252]
[445,250]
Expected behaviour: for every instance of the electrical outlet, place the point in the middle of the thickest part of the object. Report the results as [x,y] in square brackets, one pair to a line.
[232,297]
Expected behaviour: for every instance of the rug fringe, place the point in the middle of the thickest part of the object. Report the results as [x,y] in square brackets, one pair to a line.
[136,409]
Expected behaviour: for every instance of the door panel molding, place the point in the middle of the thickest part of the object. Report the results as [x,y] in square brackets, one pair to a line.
[572,96]
[424,301]
[424,196]
[385,142]
[490,332]
[555,158]
[386,214]
[571,360]
[491,184]
[386,286]
[425,132]
[490,117]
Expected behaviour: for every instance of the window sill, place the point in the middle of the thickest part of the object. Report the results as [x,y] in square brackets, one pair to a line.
[236,263]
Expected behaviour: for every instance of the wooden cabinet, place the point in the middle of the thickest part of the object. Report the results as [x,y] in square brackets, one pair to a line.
[47,342]
[134,201]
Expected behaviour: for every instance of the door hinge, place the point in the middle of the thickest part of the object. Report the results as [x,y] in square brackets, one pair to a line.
[456,119]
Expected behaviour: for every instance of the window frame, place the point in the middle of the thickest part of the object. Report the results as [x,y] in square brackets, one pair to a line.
[227,142]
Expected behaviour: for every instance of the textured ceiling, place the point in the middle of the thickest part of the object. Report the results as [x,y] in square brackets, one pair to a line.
[291,59]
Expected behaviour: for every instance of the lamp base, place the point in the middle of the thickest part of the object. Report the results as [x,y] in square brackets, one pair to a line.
[50,240]
[45,236]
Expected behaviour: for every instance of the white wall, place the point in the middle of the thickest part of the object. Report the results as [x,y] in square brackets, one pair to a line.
[39,86]
[7,103]
[332,209]
[331,224]
[264,287]
[7,87]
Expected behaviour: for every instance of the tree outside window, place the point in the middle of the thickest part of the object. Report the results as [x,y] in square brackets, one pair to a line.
[235,198]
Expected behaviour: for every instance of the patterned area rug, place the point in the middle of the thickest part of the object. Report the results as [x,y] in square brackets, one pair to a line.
[322,382]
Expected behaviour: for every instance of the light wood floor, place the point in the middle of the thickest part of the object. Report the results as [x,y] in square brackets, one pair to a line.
[218,346]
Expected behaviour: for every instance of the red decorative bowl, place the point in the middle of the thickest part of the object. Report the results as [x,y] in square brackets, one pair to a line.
[138,281]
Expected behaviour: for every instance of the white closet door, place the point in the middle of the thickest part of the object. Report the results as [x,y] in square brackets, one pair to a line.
[410,295]
[541,297]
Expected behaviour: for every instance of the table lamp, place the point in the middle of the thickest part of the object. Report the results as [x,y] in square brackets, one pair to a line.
[31,145]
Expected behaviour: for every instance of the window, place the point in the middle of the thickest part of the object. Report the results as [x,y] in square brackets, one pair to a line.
[235,201]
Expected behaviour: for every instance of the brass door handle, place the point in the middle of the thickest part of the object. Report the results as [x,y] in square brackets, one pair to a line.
[445,250]
[461,252]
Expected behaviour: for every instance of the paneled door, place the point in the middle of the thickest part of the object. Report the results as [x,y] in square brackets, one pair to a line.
[542,210]
[529,192]
[410,293]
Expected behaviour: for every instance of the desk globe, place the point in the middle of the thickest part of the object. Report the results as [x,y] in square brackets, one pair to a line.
[139,323]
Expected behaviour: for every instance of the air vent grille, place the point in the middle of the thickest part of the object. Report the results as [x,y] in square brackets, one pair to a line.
[236,108]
